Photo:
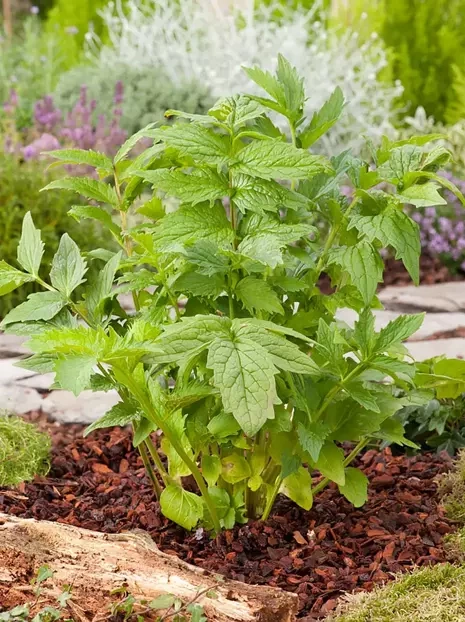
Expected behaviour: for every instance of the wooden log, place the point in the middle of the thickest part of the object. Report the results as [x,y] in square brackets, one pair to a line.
[96,563]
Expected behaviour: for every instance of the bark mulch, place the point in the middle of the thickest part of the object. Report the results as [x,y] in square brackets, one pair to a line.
[99,483]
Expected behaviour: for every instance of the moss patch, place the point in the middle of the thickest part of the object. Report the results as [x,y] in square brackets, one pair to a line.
[24,451]
[452,490]
[434,594]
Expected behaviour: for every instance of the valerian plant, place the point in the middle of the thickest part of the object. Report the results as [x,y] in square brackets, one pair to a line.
[232,353]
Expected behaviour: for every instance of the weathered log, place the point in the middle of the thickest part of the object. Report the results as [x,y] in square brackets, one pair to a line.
[96,563]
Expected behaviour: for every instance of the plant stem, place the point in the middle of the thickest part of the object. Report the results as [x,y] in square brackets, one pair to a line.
[156,458]
[150,471]
[355,451]
[272,498]
[335,390]
[151,415]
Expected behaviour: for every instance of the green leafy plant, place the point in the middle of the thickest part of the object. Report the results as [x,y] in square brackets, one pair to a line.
[232,352]
[24,451]
[438,424]
[20,185]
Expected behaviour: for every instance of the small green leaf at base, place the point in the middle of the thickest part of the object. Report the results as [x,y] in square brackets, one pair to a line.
[355,487]
[182,507]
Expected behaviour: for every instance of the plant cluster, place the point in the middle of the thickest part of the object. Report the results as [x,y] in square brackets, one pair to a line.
[51,129]
[148,92]
[24,451]
[438,424]
[203,42]
[20,185]
[233,354]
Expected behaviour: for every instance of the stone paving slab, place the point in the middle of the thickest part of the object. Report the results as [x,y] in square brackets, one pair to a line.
[12,345]
[19,400]
[40,382]
[445,297]
[10,373]
[451,348]
[65,407]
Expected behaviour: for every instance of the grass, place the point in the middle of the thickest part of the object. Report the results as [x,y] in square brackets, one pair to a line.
[435,594]
[452,490]
[24,451]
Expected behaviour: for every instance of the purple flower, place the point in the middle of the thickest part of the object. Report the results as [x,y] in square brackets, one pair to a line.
[34,10]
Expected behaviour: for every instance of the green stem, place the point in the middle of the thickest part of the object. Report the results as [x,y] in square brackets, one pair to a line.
[355,451]
[272,498]
[156,458]
[150,471]
[336,389]
[149,412]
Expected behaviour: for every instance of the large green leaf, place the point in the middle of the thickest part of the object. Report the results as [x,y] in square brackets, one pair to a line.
[422,195]
[364,265]
[82,156]
[207,258]
[121,414]
[193,187]
[324,119]
[399,329]
[68,267]
[73,372]
[285,354]
[298,487]
[100,288]
[330,463]
[259,195]
[274,159]
[11,278]
[236,110]
[30,247]
[189,224]
[257,295]
[355,487]
[181,506]
[81,212]
[312,437]
[89,188]
[392,227]
[244,374]
[40,306]
[196,141]
[402,160]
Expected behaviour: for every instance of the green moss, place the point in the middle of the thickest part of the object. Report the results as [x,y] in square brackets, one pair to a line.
[24,451]
[434,594]
[452,490]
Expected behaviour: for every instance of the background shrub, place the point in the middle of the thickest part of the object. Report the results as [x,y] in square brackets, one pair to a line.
[20,185]
[24,451]
[426,39]
[148,93]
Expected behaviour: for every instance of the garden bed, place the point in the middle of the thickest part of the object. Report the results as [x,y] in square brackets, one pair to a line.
[99,483]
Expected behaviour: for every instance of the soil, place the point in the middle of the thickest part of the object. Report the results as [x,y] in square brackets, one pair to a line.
[431,271]
[99,483]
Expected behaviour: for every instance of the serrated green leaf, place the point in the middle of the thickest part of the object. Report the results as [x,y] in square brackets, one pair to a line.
[257,295]
[81,212]
[258,195]
[132,142]
[265,249]
[397,330]
[298,487]
[211,468]
[273,159]
[312,437]
[182,507]
[324,119]
[101,287]
[244,374]
[402,160]
[82,156]
[422,195]
[73,372]
[394,228]
[391,366]
[40,306]
[41,363]
[68,267]
[189,224]
[292,86]
[207,258]
[30,247]
[364,265]
[362,395]
[452,374]
[11,278]
[285,354]
[197,142]
[89,188]
[330,463]
[223,425]
[355,488]
[199,284]
[329,346]
[190,335]
[193,187]
[236,111]
[267,82]
[392,431]
[364,331]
